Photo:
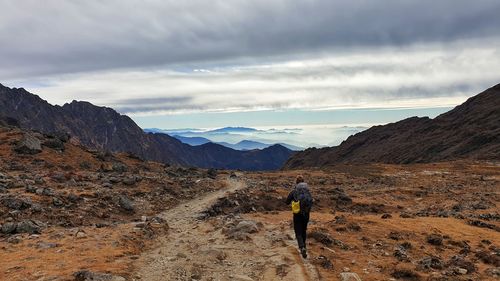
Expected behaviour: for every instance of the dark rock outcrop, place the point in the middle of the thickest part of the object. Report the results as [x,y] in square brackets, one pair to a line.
[29,145]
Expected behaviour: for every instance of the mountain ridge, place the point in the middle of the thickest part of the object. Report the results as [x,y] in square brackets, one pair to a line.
[105,129]
[470,130]
[241,145]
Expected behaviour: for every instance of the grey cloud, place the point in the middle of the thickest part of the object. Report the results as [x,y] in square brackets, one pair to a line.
[58,37]
[138,105]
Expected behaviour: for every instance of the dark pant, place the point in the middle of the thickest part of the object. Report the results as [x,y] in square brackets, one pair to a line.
[300,226]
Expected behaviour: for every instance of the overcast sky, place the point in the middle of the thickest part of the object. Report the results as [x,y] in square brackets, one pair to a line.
[155,59]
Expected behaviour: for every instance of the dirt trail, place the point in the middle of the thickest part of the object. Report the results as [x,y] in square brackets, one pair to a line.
[198,250]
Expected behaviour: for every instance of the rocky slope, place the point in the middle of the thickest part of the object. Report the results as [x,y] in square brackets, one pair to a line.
[70,213]
[471,130]
[65,208]
[105,129]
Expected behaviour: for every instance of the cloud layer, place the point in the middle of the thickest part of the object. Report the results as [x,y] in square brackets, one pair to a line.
[54,37]
[174,57]
[383,79]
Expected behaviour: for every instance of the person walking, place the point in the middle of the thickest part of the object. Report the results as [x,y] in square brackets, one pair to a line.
[301,200]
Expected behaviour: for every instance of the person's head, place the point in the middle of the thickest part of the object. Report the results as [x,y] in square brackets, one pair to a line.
[299,179]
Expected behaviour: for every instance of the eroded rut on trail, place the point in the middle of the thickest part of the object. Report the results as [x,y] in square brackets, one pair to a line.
[223,247]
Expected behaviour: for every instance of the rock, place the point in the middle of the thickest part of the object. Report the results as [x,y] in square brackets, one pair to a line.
[215,254]
[73,198]
[130,180]
[44,191]
[114,179]
[322,237]
[85,165]
[247,226]
[406,215]
[61,135]
[460,262]
[340,197]
[30,189]
[57,202]
[386,216]
[85,275]
[46,245]
[212,173]
[435,239]
[349,276]
[462,271]
[119,167]
[430,263]
[54,143]
[405,274]
[494,272]
[58,176]
[401,255]
[28,226]
[16,203]
[354,227]
[8,228]
[29,145]
[126,204]
[80,234]
[13,240]
[324,262]
[242,230]
[489,257]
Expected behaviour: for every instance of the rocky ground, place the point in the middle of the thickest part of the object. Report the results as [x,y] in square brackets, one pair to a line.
[64,208]
[384,222]
[68,213]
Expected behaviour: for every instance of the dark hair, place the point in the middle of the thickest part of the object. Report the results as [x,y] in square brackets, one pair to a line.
[299,179]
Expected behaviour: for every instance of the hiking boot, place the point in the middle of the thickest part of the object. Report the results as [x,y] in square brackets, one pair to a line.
[303,252]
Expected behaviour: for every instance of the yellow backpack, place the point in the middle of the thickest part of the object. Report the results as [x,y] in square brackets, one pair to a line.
[295,207]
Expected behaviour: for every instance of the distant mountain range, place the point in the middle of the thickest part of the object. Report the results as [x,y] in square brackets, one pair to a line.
[469,131]
[105,129]
[241,145]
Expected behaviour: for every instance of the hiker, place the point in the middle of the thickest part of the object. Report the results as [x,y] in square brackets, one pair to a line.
[301,201]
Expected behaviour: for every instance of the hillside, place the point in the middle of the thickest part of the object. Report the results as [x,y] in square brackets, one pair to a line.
[469,131]
[70,213]
[105,129]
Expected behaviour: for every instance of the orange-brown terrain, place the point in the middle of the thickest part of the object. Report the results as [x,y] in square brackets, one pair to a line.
[406,222]
[69,213]
[62,211]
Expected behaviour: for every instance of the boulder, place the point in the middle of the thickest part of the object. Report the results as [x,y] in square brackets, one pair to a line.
[8,228]
[322,237]
[57,202]
[246,226]
[119,167]
[130,180]
[28,226]
[54,143]
[16,203]
[28,145]
[61,135]
[125,203]
[242,230]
